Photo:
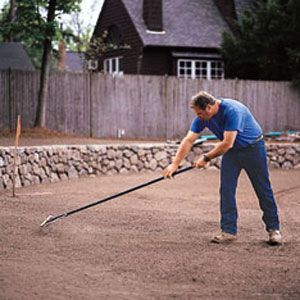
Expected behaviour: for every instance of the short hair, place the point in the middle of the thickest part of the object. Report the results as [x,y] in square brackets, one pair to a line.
[202,99]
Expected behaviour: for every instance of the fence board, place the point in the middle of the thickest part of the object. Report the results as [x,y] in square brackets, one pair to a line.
[101,93]
[143,106]
[22,94]
[68,105]
[4,104]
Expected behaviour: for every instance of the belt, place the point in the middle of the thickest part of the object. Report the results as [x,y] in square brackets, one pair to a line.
[261,137]
[249,146]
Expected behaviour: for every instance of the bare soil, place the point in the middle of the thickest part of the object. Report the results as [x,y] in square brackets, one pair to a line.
[44,136]
[150,244]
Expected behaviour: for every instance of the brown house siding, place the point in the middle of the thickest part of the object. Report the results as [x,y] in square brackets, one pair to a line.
[114,13]
[149,58]
[156,61]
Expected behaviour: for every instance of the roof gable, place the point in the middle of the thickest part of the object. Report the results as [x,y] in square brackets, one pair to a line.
[115,13]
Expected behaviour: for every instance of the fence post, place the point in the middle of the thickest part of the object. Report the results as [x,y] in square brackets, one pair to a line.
[90,102]
[10,105]
[166,105]
[18,132]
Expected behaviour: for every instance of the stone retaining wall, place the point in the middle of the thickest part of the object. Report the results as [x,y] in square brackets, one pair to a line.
[54,163]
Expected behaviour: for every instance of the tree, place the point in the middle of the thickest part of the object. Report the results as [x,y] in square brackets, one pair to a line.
[12,16]
[76,35]
[24,21]
[21,21]
[294,50]
[43,92]
[265,43]
[54,9]
[103,44]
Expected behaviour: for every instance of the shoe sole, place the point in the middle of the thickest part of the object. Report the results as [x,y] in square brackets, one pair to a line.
[215,241]
[274,243]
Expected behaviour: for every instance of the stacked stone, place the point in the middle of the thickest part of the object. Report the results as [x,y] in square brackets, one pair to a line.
[283,156]
[54,163]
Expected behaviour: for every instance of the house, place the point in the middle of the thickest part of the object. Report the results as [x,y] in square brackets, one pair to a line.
[173,37]
[75,62]
[71,61]
[13,56]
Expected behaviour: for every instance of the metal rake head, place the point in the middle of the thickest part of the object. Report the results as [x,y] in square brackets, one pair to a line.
[46,221]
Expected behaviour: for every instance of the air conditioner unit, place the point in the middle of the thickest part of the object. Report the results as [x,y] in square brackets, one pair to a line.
[92,64]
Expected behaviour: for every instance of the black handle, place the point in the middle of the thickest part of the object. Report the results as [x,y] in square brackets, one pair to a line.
[68,213]
[125,192]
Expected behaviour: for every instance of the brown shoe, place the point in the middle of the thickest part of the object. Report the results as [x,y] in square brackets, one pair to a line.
[275,237]
[223,237]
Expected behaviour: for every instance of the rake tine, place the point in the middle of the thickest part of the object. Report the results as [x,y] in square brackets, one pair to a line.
[52,219]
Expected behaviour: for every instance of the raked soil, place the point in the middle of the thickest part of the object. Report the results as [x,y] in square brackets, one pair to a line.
[150,244]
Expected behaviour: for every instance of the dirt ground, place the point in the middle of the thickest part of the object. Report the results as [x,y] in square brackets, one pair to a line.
[150,244]
[44,136]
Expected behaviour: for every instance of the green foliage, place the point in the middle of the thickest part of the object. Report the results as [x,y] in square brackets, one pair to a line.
[27,27]
[266,42]
[30,26]
[102,44]
[78,43]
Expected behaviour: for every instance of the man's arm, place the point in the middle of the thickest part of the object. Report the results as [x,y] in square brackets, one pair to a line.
[219,149]
[184,147]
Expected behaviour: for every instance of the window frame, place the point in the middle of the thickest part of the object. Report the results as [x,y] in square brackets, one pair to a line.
[112,66]
[192,73]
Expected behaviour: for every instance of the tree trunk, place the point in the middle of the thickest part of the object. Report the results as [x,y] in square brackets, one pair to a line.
[40,120]
[12,18]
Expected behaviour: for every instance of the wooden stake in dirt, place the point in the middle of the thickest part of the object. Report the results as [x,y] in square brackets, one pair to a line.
[18,132]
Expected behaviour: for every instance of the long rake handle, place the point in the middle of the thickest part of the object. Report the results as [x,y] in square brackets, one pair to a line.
[66,214]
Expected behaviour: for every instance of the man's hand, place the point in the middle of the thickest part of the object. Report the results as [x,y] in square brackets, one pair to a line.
[170,170]
[184,147]
[201,163]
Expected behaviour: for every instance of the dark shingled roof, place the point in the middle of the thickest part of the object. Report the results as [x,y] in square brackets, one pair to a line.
[13,56]
[192,23]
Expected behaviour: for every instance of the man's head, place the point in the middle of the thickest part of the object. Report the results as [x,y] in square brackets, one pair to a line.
[204,105]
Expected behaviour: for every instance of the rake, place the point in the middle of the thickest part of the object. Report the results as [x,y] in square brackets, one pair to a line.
[51,219]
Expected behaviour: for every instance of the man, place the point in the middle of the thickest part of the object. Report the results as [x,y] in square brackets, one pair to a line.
[242,147]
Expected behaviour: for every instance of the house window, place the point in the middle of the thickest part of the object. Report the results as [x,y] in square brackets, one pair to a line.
[114,35]
[112,66]
[202,69]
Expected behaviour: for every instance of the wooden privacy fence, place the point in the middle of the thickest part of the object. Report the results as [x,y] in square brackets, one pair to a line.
[137,106]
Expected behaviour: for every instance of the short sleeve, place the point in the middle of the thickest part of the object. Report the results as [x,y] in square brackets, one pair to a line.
[234,121]
[197,125]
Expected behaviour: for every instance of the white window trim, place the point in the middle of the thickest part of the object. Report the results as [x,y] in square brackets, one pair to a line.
[208,70]
[110,70]
[193,68]
[155,32]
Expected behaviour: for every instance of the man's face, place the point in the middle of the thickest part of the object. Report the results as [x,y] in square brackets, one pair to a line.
[205,114]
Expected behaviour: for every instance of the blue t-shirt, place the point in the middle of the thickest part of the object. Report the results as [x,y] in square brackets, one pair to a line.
[232,116]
